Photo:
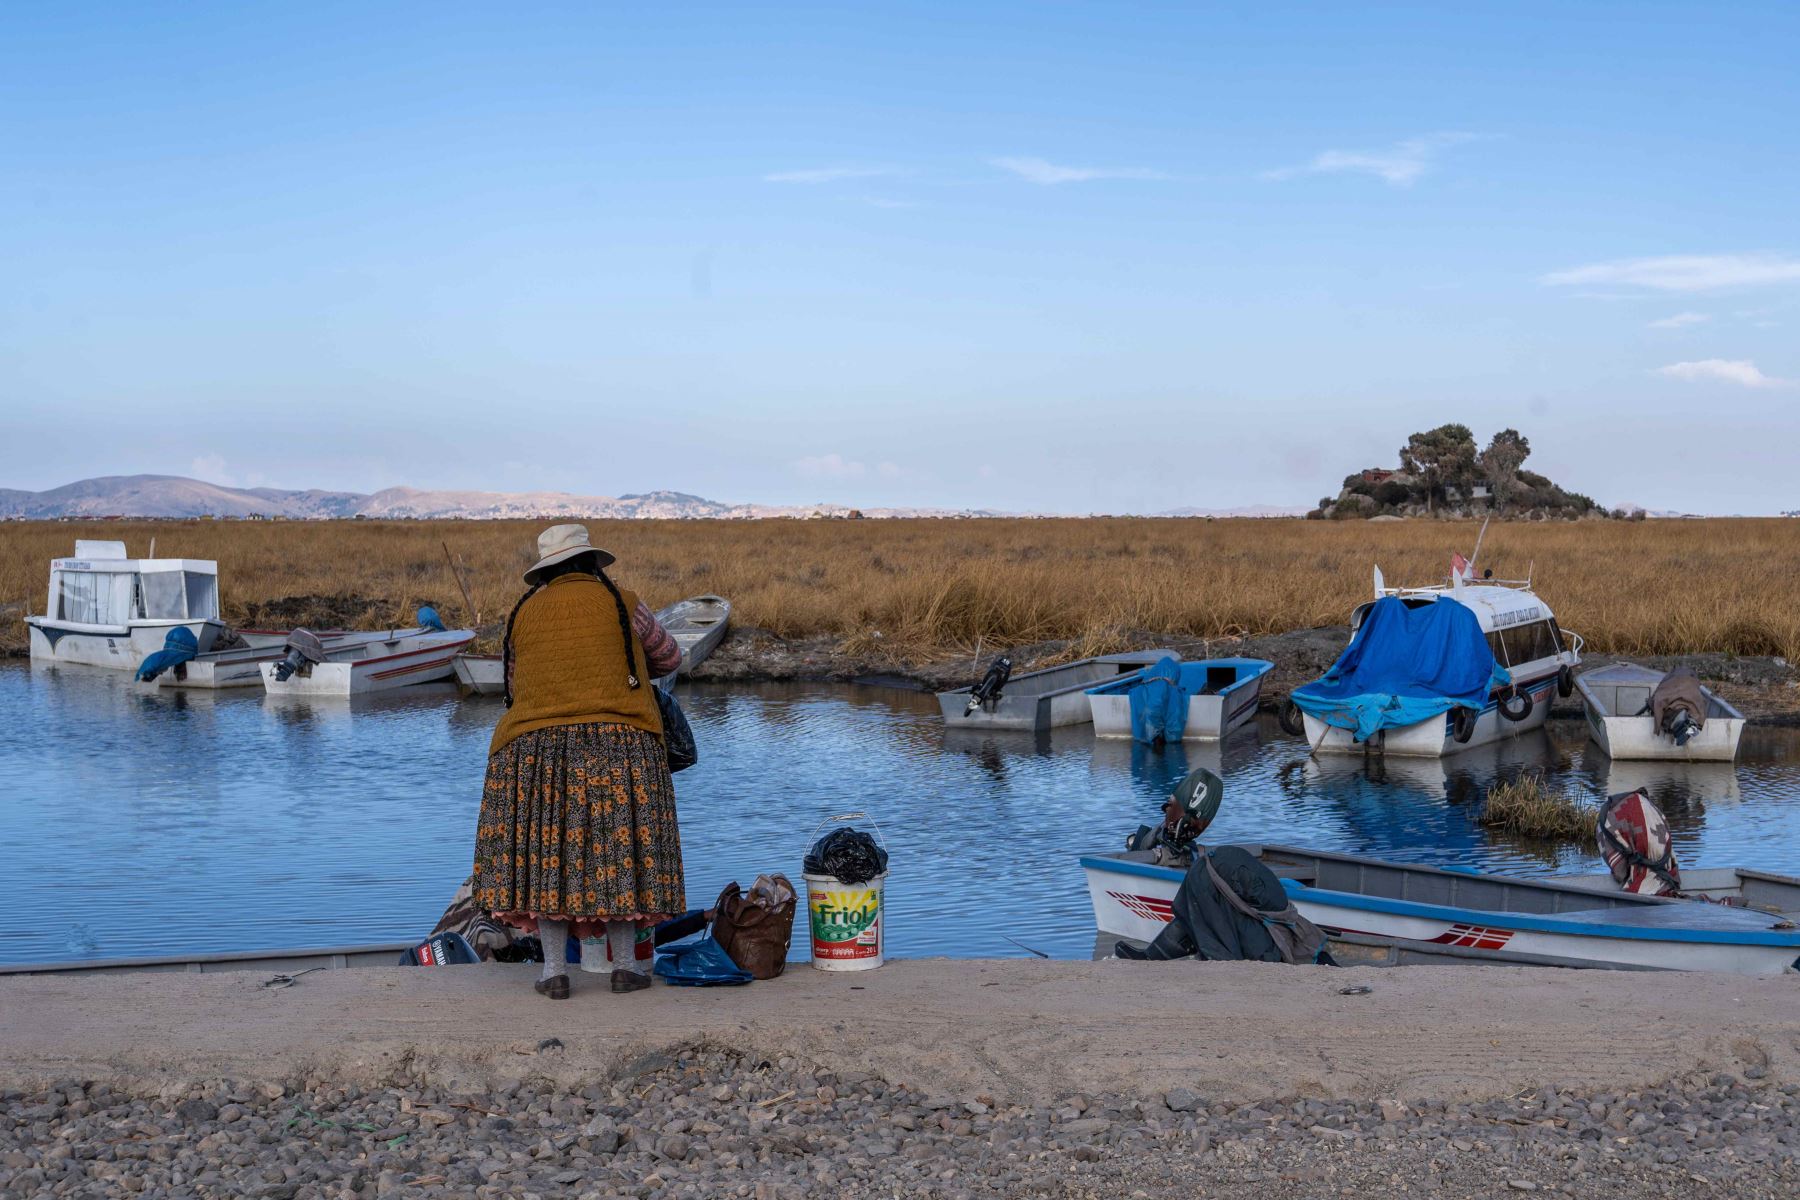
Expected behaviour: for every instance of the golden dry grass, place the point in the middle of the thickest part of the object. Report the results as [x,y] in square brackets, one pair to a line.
[932,587]
[1528,807]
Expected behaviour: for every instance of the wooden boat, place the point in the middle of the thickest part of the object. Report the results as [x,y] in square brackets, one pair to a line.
[1223,694]
[242,666]
[1047,699]
[417,656]
[697,624]
[281,962]
[1391,912]
[1617,699]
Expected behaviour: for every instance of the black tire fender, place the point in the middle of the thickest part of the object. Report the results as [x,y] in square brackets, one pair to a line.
[1565,682]
[1515,705]
[1462,724]
[1292,723]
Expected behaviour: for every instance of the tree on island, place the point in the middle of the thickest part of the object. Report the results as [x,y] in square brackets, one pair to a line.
[1441,471]
[1501,462]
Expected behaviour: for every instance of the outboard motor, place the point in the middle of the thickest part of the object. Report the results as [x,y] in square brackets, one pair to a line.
[428,619]
[1634,840]
[180,646]
[987,693]
[303,650]
[1678,705]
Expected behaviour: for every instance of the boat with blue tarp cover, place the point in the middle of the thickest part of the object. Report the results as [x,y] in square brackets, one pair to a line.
[1387,912]
[1432,671]
[1196,700]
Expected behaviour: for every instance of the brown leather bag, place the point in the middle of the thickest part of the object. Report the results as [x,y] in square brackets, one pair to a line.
[756,928]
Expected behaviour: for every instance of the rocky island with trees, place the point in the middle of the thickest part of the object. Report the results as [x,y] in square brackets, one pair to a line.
[1443,473]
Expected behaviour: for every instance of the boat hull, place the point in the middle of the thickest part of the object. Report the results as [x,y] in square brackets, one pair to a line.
[1133,901]
[385,667]
[480,674]
[1047,699]
[1209,718]
[1431,738]
[119,647]
[242,667]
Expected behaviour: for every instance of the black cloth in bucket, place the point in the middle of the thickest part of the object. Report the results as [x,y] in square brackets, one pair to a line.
[847,855]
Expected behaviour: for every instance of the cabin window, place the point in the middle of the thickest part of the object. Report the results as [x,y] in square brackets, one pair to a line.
[1529,643]
[164,596]
[202,595]
[94,597]
[1497,648]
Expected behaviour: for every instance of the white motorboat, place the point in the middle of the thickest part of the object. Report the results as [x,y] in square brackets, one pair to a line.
[242,665]
[107,610]
[1222,695]
[394,661]
[1538,658]
[1425,914]
[1617,700]
[480,674]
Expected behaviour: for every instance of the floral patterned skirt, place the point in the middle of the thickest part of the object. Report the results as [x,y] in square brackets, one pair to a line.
[578,824]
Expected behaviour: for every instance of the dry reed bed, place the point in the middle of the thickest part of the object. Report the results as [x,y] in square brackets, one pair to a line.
[933,587]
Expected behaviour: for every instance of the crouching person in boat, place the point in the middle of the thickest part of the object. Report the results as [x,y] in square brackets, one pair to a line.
[1229,906]
[577,833]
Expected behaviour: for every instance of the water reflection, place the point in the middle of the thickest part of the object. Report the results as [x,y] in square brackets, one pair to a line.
[138,820]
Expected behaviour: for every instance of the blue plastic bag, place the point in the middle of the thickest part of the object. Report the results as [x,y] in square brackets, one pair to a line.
[700,963]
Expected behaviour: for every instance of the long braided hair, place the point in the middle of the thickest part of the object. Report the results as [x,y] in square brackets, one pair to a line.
[583,564]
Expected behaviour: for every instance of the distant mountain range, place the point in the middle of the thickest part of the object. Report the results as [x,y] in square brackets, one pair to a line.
[178,496]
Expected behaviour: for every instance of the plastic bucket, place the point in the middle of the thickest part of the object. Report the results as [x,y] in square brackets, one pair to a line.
[845,919]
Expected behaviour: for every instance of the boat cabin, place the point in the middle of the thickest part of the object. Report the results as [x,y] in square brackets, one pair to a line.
[1521,630]
[101,587]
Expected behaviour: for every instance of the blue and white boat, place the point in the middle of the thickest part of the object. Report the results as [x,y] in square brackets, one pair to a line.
[1391,913]
[1216,694]
[1432,671]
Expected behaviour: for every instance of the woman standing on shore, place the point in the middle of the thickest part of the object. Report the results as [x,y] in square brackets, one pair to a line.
[577,831]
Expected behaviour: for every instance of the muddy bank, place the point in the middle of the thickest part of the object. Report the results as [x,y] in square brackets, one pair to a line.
[1025,1031]
[1765,689]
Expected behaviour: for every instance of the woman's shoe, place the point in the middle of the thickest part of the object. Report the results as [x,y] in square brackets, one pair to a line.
[630,981]
[557,987]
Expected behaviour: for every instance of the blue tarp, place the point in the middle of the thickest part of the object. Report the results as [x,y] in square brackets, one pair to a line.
[1403,666]
[1159,704]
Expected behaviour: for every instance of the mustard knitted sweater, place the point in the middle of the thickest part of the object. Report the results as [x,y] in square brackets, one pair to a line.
[568,663]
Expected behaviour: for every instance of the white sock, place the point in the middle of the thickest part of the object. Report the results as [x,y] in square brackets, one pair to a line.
[555,936]
[621,938]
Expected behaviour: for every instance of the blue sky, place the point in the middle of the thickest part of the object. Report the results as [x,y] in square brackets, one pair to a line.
[1069,258]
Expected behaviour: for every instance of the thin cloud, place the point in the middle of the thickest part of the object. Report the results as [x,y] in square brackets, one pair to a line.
[1740,371]
[829,174]
[1400,165]
[1041,171]
[1680,320]
[1683,272]
[831,466]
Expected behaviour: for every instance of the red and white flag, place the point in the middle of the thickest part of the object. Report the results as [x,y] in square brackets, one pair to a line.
[1459,567]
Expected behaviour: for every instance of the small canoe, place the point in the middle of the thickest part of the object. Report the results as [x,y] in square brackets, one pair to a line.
[1047,699]
[242,667]
[417,657]
[1222,695]
[698,625]
[1390,913]
[1617,697]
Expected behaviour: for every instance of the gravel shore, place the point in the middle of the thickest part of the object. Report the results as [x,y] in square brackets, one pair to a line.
[706,1122]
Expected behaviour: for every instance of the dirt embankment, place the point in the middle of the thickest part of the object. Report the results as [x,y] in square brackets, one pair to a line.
[1765,689]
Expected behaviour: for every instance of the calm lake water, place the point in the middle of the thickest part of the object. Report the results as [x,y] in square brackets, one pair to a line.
[135,821]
